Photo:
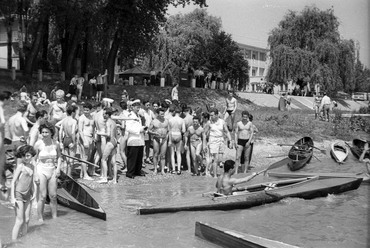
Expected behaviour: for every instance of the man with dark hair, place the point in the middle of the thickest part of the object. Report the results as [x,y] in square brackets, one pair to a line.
[68,135]
[215,132]
[194,134]
[18,127]
[41,118]
[176,127]
[148,115]
[225,183]
[243,140]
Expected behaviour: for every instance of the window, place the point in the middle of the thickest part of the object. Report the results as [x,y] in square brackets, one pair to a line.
[262,70]
[254,55]
[263,56]
[247,54]
[254,72]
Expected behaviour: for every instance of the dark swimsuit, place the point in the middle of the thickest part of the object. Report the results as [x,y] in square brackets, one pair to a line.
[242,142]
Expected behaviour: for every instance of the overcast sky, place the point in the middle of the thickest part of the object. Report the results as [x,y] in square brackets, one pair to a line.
[250,21]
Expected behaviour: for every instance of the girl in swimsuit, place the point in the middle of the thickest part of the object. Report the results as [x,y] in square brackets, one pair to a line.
[48,161]
[22,190]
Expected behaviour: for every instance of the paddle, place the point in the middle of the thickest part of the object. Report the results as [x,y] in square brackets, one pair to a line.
[316,158]
[323,151]
[81,160]
[277,165]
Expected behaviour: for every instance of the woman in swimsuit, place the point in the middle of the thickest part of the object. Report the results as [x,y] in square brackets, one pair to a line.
[22,190]
[48,162]
[231,104]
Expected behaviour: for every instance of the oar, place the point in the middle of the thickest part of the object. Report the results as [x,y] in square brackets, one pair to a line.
[81,160]
[316,158]
[277,164]
[323,151]
[277,156]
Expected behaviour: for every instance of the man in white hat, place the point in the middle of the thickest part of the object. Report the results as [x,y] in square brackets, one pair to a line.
[135,142]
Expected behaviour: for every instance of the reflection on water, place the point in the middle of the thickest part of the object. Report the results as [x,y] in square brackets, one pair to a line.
[332,221]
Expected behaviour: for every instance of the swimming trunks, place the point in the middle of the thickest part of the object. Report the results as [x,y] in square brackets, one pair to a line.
[242,142]
[176,137]
[229,112]
[67,141]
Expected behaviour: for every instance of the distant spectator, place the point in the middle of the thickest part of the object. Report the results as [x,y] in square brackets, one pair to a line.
[175,92]
[99,88]
[23,89]
[73,86]
[53,93]
[42,98]
[325,106]
[80,85]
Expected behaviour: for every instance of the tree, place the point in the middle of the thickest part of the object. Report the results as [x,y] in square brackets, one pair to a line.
[308,45]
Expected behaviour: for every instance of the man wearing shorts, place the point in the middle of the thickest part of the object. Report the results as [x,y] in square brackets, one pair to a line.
[68,135]
[18,127]
[195,134]
[176,127]
[216,130]
[86,139]
[243,138]
[159,131]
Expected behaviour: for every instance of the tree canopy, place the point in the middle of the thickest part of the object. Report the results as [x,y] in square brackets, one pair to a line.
[307,45]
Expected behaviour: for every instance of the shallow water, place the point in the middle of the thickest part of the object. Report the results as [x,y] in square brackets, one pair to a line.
[332,221]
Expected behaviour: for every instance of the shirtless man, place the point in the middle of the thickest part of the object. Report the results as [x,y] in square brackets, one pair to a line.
[32,108]
[159,131]
[195,134]
[18,127]
[216,130]
[2,147]
[86,133]
[225,183]
[110,149]
[41,118]
[243,138]
[100,141]
[68,135]
[366,160]
[176,127]
[231,104]
[188,119]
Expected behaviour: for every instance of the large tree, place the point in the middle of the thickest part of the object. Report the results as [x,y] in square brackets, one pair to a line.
[306,46]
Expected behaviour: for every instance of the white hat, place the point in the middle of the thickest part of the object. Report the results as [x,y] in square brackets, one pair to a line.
[135,101]
[108,100]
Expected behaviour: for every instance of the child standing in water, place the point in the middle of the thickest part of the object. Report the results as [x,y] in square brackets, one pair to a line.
[22,190]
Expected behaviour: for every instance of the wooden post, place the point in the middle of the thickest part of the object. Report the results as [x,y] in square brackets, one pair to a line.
[163,82]
[131,81]
[14,74]
[40,75]
[213,85]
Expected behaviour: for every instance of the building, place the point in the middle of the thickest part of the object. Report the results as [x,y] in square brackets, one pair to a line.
[4,45]
[258,60]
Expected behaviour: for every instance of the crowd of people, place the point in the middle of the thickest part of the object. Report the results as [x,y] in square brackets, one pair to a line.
[168,137]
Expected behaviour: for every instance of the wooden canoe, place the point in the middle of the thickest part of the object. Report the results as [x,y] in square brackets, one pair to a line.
[260,194]
[339,152]
[357,148]
[365,177]
[233,239]
[300,153]
[72,195]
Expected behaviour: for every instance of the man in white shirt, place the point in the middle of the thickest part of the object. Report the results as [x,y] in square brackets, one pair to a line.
[135,142]
[325,106]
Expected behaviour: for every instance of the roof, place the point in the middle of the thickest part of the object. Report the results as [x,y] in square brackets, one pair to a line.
[135,71]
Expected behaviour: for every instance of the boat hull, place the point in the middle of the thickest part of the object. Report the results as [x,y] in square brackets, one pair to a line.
[232,239]
[72,195]
[339,152]
[358,147]
[308,188]
[300,153]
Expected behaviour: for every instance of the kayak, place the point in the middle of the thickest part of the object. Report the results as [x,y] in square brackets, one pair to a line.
[365,177]
[300,153]
[358,147]
[72,195]
[259,194]
[232,239]
[338,152]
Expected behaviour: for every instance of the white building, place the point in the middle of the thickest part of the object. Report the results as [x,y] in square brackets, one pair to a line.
[4,45]
[258,60]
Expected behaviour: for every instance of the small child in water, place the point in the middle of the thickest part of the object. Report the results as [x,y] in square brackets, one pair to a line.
[22,189]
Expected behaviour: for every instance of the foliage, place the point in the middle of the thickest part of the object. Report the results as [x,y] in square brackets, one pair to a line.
[361,78]
[308,45]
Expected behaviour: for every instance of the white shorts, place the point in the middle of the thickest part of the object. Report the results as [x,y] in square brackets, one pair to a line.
[216,145]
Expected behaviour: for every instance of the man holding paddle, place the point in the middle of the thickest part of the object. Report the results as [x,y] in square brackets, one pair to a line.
[225,183]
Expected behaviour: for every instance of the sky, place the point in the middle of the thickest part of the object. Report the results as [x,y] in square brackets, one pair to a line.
[250,21]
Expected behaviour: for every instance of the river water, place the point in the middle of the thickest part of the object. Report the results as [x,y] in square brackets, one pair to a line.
[332,221]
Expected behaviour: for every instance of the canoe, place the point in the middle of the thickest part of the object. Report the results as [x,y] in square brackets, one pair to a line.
[338,152]
[365,177]
[300,153]
[259,194]
[72,195]
[357,148]
[232,239]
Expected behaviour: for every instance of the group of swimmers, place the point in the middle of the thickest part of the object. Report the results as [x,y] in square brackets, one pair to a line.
[101,134]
